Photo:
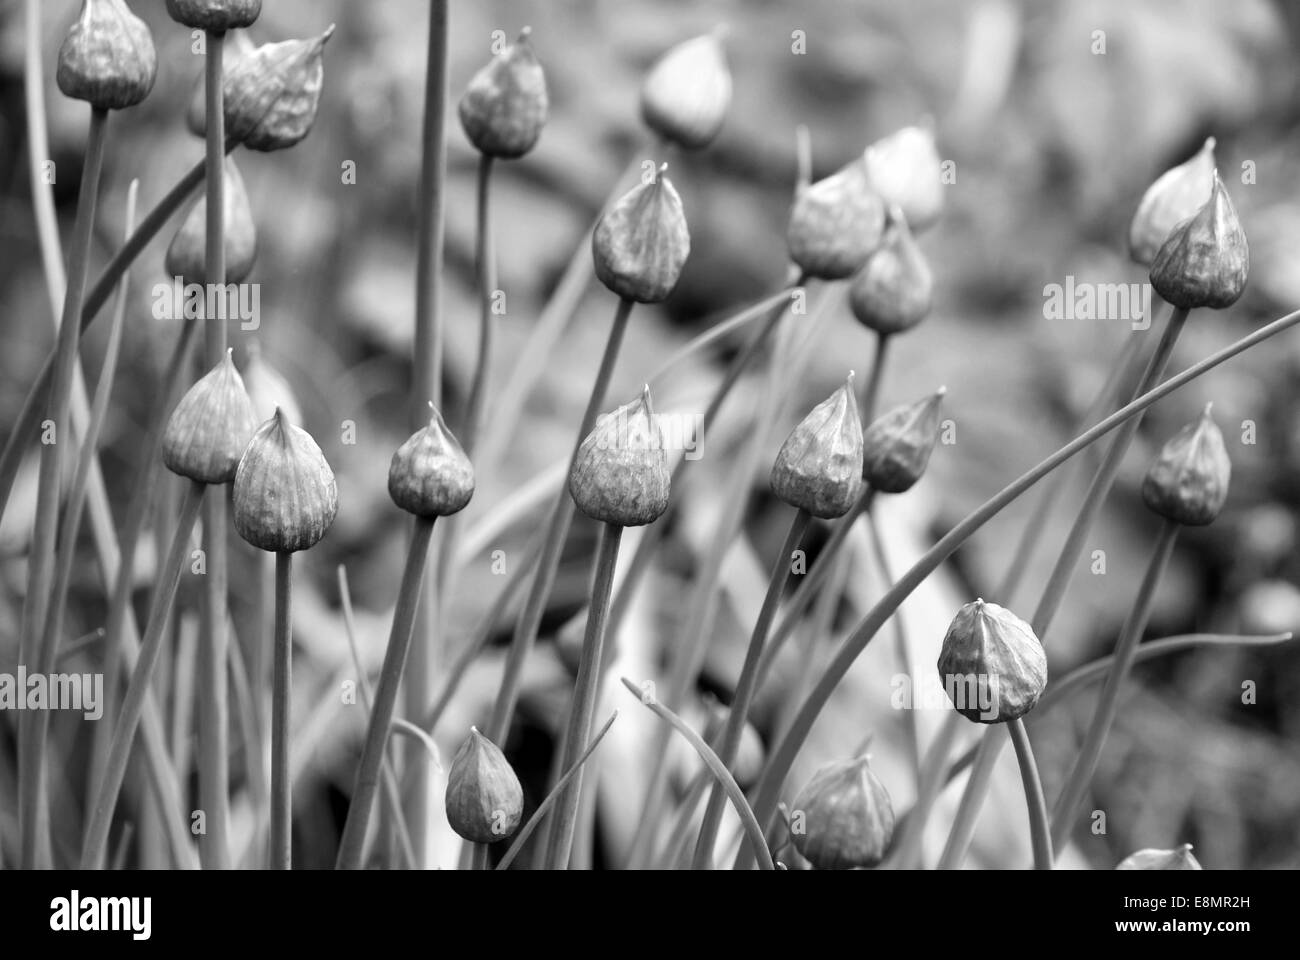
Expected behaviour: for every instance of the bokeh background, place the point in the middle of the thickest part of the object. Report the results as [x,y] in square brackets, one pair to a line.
[1053,144]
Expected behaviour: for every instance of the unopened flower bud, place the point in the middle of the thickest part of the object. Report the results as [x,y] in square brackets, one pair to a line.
[1175,196]
[238,45]
[215,15]
[894,290]
[285,496]
[843,818]
[836,224]
[484,799]
[641,243]
[686,94]
[272,94]
[430,476]
[268,389]
[992,666]
[1188,483]
[210,427]
[1205,260]
[620,474]
[819,468]
[906,171]
[187,254]
[896,447]
[108,57]
[504,107]
[1152,859]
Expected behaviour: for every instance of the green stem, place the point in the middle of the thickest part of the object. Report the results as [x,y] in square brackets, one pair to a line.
[1039,832]
[485,259]
[871,390]
[281,713]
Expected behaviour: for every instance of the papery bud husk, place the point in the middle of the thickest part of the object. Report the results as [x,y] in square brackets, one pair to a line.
[906,171]
[685,96]
[238,45]
[1175,196]
[819,468]
[108,57]
[505,105]
[894,290]
[992,666]
[484,799]
[217,16]
[285,496]
[210,427]
[1152,859]
[1205,260]
[268,389]
[641,243]
[847,817]
[1188,483]
[836,224]
[429,475]
[896,447]
[187,253]
[272,94]
[620,474]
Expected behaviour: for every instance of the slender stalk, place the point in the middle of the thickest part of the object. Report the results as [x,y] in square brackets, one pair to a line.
[101,815]
[485,259]
[1039,832]
[530,617]
[281,712]
[729,743]
[1103,717]
[871,390]
[390,679]
[675,848]
[586,694]
[902,649]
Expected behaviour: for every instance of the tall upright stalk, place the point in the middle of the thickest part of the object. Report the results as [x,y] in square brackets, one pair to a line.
[281,715]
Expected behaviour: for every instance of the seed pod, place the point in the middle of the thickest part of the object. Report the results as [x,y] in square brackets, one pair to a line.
[268,389]
[836,224]
[991,666]
[620,474]
[285,495]
[272,94]
[505,105]
[896,447]
[217,16]
[1205,260]
[819,468]
[906,171]
[484,799]
[238,45]
[187,254]
[429,475]
[641,243]
[846,816]
[1188,483]
[1176,195]
[894,290]
[210,427]
[686,94]
[108,57]
[750,754]
[1152,859]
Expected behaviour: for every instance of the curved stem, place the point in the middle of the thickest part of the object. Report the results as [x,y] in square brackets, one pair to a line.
[1039,832]
[281,713]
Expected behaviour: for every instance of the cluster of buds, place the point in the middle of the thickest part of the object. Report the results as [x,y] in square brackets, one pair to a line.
[504,107]
[992,666]
[620,474]
[843,818]
[484,799]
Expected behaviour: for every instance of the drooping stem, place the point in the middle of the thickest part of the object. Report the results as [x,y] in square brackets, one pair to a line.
[281,713]
[1039,832]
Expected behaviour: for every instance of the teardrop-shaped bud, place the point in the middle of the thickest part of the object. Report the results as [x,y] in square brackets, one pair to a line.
[685,96]
[836,224]
[1205,260]
[108,57]
[1152,859]
[429,475]
[271,95]
[992,666]
[1175,196]
[896,447]
[268,389]
[819,468]
[505,105]
[906,171]
[215,15]
[894,290]
[285,496]
[238,45]
[848,819]
[620,474]
[187,254]
[642,242]
[210,427]
[484,799]
[1188,483]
